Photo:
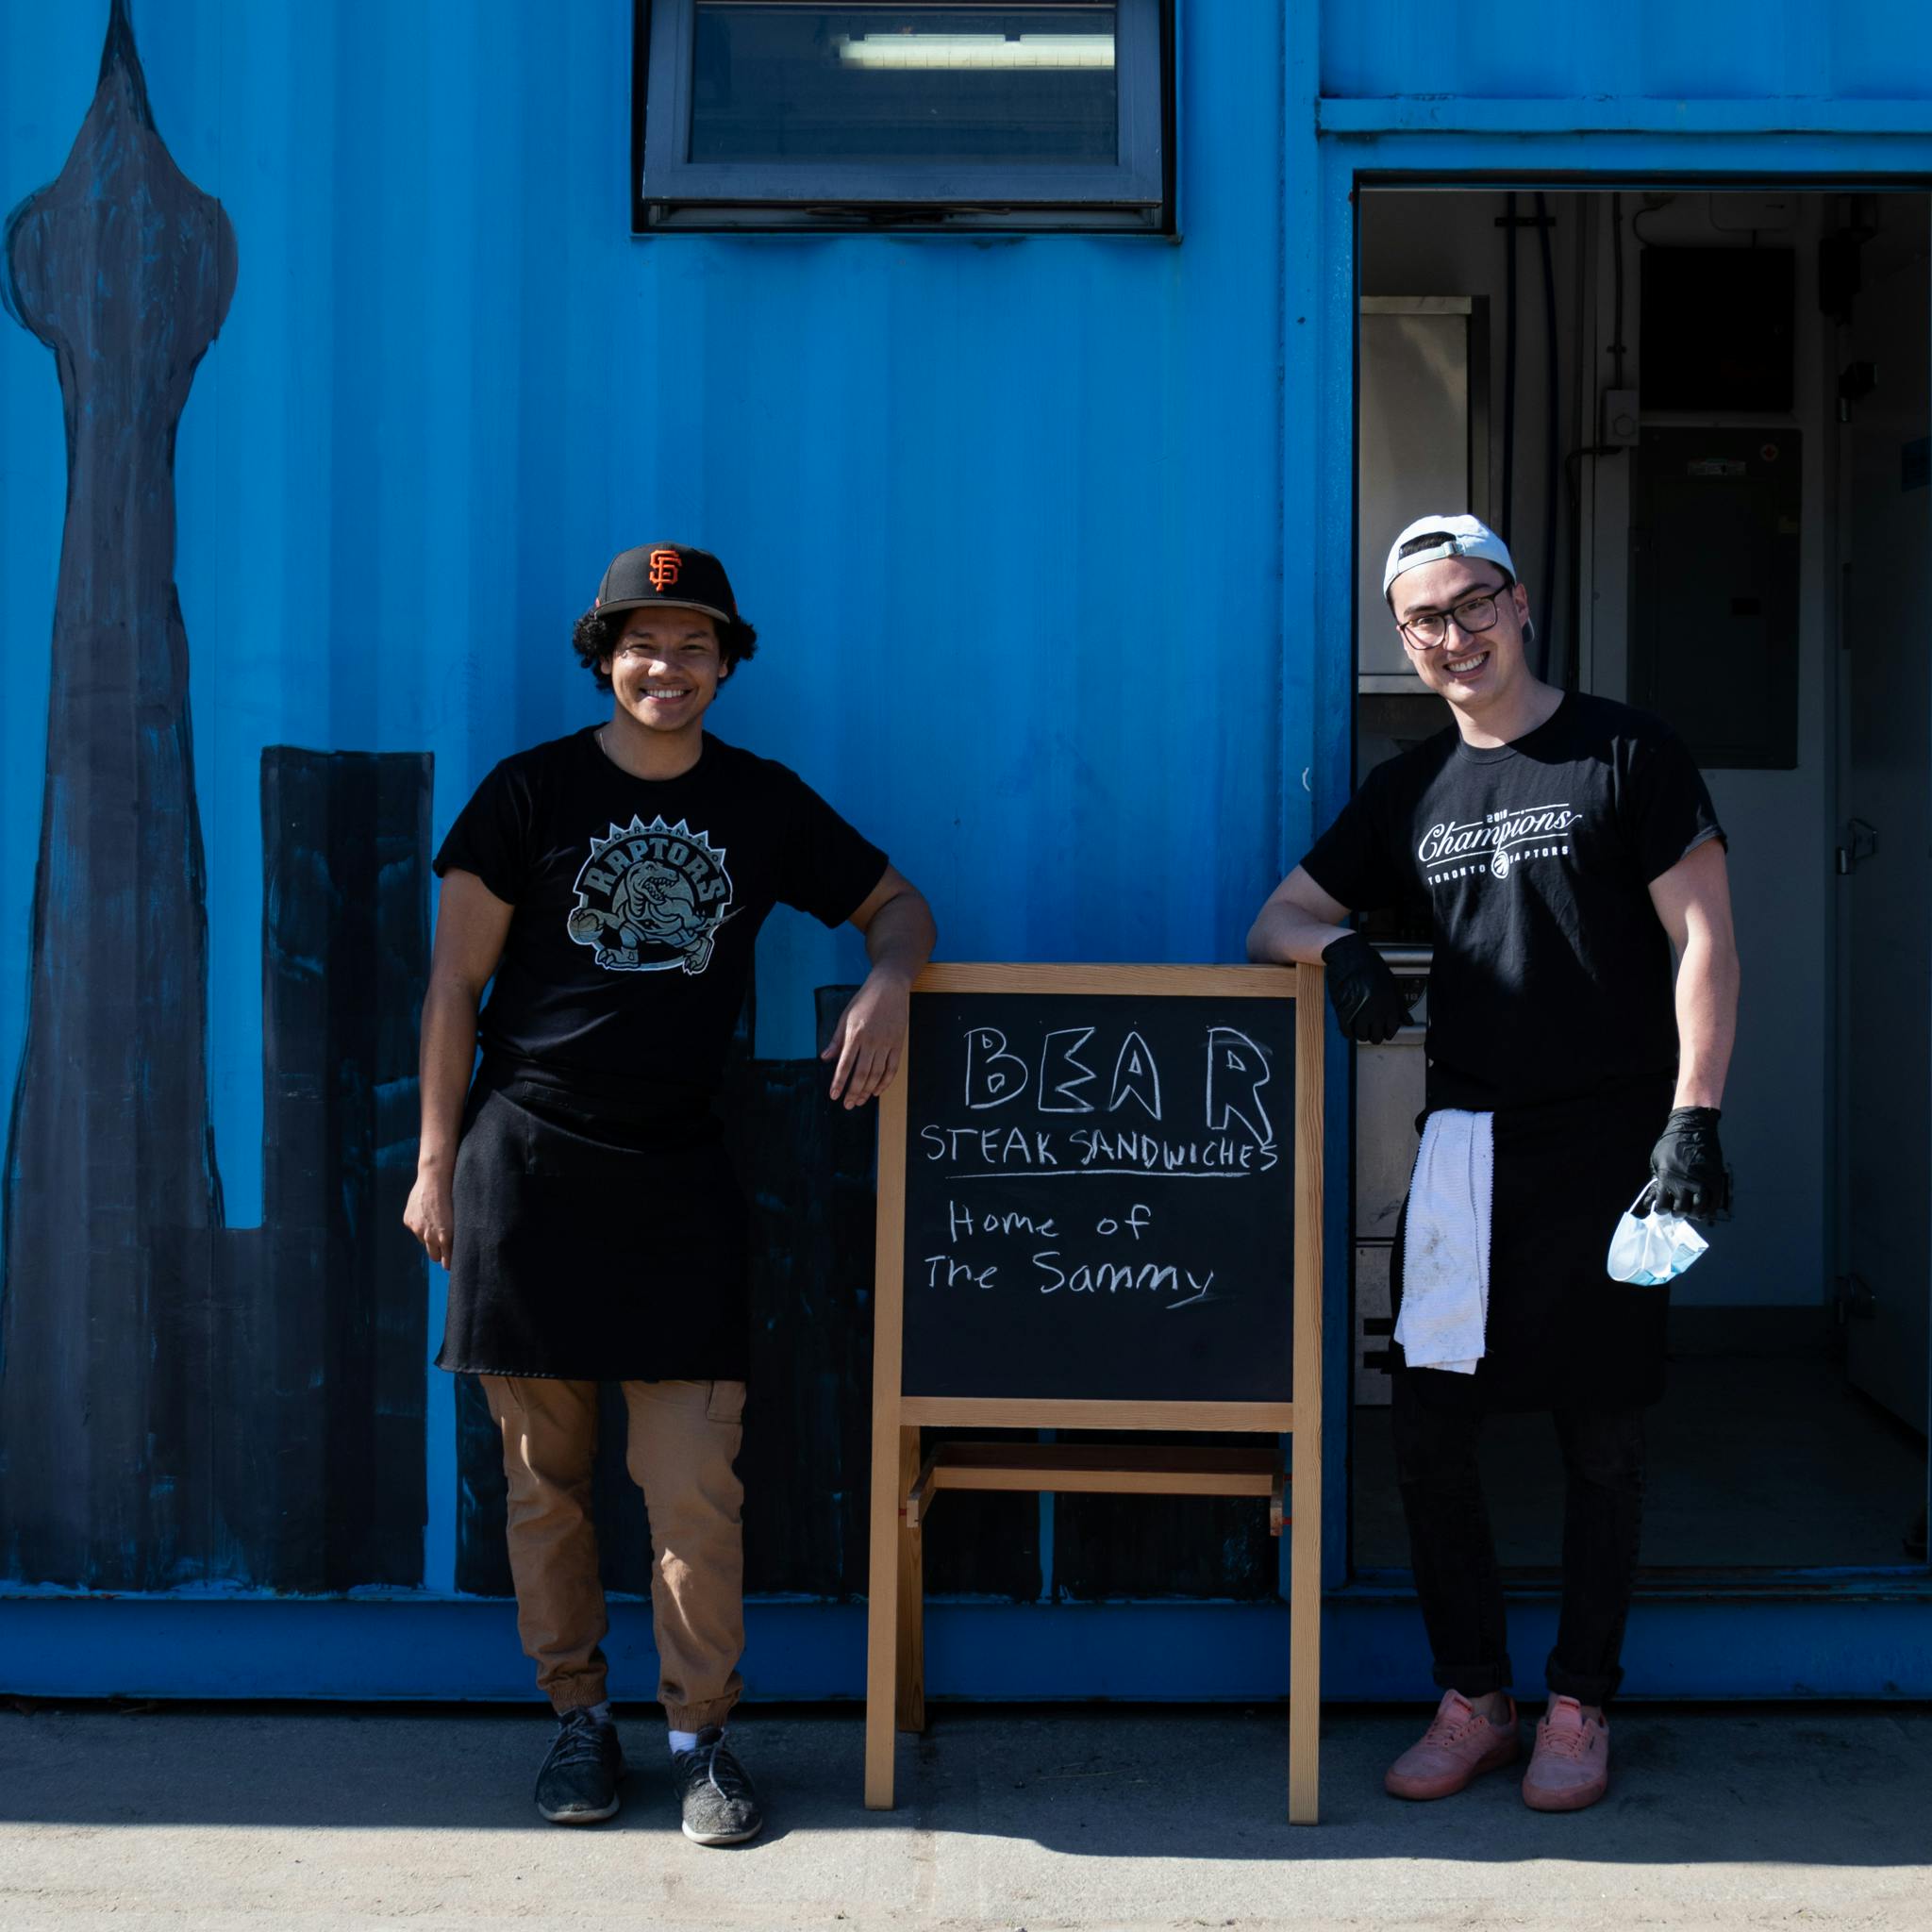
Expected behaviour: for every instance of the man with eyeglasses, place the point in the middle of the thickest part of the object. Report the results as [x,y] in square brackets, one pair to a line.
[1567,847]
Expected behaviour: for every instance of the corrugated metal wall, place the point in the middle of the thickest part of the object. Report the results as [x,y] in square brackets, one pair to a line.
[1727,50]
[1009,515]
[1006,513]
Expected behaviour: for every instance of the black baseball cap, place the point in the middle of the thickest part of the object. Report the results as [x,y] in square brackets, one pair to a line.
[670,574]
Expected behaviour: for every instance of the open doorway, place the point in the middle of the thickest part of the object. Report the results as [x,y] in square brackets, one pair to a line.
[1700,419]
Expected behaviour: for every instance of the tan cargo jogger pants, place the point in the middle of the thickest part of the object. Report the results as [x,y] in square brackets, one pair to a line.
[684,1437]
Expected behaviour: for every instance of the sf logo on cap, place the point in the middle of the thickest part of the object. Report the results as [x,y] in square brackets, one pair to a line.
[665,564]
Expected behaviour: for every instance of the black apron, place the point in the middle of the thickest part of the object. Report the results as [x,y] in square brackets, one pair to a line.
[1562,1333]
[592,1243]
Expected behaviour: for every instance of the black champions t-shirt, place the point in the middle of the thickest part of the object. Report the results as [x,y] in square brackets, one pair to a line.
[638,902]
[1551,976]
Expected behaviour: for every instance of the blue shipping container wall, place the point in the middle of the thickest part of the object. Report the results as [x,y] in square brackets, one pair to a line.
[1048,543]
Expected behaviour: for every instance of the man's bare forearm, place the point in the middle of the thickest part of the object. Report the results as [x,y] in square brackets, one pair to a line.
[1707,1019]
[448,1054]
[1282,934]
[900,939]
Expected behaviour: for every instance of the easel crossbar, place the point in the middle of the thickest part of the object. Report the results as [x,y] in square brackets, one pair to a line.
[1098,1469]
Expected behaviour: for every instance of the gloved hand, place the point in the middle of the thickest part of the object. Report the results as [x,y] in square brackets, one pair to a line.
[1689,1166]
[1366,997]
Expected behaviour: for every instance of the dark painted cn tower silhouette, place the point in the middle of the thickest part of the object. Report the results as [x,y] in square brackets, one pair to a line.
[124,270]
[182,1404]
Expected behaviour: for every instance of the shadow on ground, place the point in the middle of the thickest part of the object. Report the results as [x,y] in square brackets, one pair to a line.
[1813,1785]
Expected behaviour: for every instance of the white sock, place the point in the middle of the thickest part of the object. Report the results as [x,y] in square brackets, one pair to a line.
[600,1713]
[683,1740]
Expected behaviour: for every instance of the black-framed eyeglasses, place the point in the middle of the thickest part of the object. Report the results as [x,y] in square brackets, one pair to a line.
[1473,615]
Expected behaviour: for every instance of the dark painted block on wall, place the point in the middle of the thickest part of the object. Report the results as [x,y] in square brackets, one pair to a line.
[982,1545]
[482,1561]
[332,1372]
[807,1167]
[1163,1546]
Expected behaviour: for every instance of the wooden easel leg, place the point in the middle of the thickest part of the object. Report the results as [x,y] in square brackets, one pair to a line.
[1305,1551]
[882,1618]
[1304,1641]
[910,1703]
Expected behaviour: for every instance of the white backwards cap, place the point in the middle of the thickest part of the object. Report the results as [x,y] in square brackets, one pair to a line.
[1428,540]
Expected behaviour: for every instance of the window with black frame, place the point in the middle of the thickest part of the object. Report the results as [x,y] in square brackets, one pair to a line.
[906,113]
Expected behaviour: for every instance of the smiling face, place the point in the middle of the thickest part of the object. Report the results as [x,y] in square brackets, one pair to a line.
[1476,671]
[666,667]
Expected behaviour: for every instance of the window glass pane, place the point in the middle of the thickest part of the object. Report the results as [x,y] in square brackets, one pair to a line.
[787,80]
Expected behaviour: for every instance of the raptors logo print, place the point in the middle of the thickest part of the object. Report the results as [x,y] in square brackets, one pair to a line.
[651,897]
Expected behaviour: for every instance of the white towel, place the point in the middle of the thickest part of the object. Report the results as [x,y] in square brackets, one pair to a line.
[1445,1253]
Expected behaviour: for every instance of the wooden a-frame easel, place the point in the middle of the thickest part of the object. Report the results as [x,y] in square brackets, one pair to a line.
[904,1480]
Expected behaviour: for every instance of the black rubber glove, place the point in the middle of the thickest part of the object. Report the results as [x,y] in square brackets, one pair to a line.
[1689,1165]
[1366,997]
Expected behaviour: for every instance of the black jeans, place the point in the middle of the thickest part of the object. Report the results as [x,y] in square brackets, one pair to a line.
[1455,1554]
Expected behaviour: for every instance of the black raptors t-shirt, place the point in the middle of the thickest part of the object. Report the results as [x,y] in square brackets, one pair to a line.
[1552,976]
[637,905]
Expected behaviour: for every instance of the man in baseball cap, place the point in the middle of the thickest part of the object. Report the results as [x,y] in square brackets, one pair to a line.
[1566,846]
[607,887]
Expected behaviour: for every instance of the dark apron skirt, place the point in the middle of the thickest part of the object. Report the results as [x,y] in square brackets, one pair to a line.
[1561,1334]
[594,1247]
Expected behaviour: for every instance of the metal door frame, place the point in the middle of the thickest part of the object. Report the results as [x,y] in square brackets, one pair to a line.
[1860,1633]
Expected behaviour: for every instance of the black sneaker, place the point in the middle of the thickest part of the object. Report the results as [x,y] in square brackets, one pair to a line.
[720,1806]
[578,1782]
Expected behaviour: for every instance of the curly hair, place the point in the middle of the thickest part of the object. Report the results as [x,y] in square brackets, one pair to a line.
[594,638]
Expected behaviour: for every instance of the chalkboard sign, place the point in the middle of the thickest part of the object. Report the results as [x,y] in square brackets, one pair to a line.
[1098,1197]
[1099,1208]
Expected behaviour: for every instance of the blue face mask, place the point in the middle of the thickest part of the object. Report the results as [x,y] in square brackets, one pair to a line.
[1650,1249]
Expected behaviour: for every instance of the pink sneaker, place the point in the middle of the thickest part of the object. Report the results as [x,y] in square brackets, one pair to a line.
[1458,1746]
[1571,1766]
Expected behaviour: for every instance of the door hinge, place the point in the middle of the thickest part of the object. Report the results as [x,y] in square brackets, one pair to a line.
[1852,1299]
[1862,842]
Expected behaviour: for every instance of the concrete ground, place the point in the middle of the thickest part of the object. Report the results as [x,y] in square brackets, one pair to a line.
[1037,1818]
